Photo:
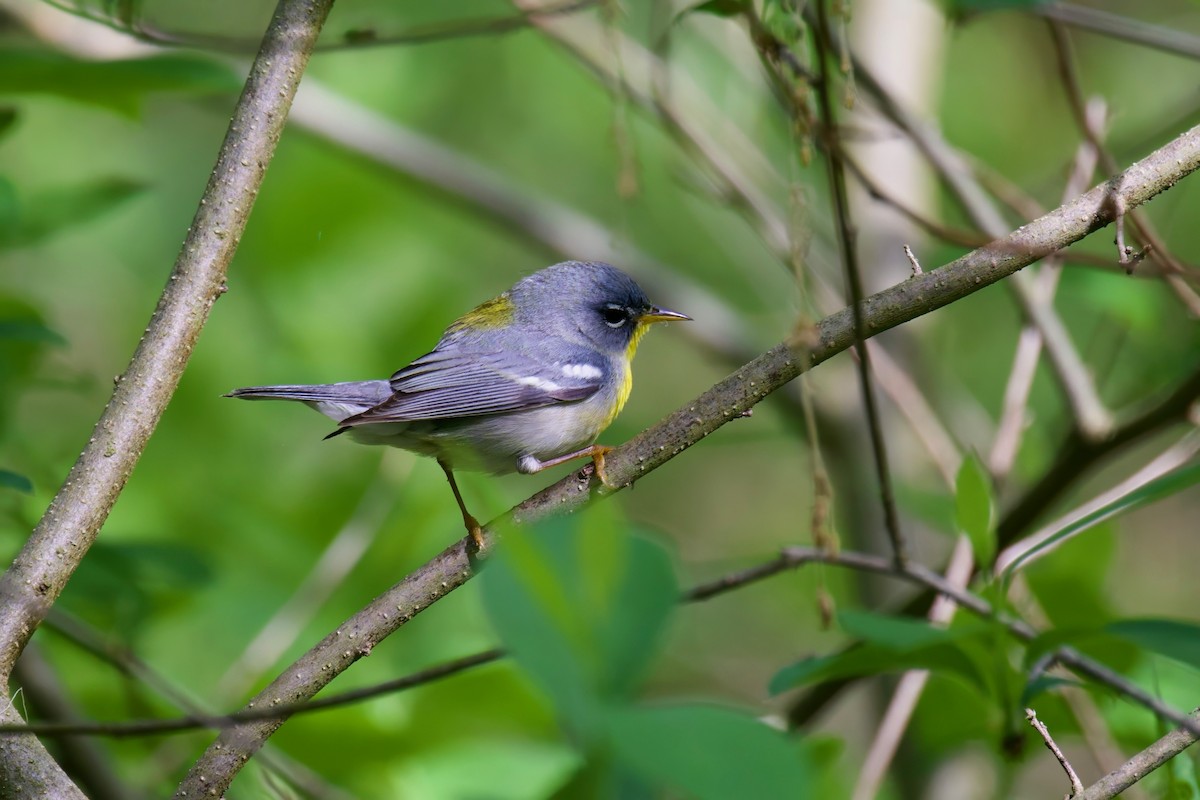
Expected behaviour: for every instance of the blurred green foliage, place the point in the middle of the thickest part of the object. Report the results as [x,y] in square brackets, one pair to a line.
[582,609]
[348,270]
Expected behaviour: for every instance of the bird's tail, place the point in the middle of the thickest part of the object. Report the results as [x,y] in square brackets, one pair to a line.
[335,400]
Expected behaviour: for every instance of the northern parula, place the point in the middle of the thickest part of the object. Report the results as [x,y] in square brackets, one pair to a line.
[523,382]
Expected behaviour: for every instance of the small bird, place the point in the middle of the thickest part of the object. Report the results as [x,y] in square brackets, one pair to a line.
[523,382]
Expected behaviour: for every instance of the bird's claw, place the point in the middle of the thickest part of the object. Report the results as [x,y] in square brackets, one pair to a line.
[598,453]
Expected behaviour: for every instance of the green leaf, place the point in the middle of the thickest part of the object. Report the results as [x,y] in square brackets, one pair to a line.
[582,608]
[8,118]
[1157,489]
[899,634]
[1175,639]
[708,752]
[121,584]
[720,8]
[11,480]
[894,644]
[500,769]
[25,224]
[25,340]
[116,85]
[975,508]
[1044,683]
[30,331]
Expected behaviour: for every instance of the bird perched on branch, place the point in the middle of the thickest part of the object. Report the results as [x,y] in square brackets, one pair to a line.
[523,382]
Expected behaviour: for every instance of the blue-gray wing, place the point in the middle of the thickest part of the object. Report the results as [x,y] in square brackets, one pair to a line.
[442,385]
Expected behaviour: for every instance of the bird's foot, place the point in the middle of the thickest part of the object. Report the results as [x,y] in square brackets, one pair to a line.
[599,451]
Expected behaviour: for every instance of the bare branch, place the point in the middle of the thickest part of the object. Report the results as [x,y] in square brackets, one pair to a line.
[1145,762]
[1121,27]
[1044,732]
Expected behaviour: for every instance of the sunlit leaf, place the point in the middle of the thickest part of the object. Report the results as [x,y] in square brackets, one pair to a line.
[708,752]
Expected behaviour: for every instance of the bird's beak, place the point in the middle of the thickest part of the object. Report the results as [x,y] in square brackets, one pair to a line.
[656,314]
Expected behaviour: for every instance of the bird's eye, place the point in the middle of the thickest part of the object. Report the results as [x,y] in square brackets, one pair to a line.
[614,316]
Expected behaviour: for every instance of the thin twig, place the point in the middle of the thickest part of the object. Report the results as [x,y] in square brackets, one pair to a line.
[1094,730]
[789,559]
[912,260]
[191,722]
[1168,40]
[841,206]
[900,387]
[87,761]
[1044,732]
[127,663]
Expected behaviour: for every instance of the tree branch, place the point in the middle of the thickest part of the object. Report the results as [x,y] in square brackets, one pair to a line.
[655,446]
[70,525]
[1142,764]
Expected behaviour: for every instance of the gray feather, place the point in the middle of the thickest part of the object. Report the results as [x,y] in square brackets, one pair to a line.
[446,385]
[335,400]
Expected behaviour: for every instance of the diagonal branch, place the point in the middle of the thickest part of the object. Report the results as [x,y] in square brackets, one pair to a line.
[1072,374]
[70,525]
[685,427]
[1143,763]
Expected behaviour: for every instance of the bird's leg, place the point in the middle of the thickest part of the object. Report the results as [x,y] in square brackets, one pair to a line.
[472,524]
[596,452]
